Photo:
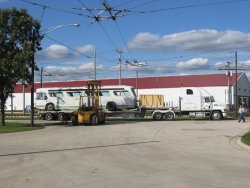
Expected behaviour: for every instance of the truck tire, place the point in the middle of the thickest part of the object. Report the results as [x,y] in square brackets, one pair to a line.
[49,116]
[111,106]
[94,120]
[50,107]
[63,117]
[157,116]
[169,116]
[216,115]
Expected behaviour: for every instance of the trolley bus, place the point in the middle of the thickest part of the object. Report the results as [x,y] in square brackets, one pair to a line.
[112,98]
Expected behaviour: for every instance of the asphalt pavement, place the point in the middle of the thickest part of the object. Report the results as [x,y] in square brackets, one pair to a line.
[122,154]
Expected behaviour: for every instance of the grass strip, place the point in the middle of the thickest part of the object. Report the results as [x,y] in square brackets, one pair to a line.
[17,127]
[246,139]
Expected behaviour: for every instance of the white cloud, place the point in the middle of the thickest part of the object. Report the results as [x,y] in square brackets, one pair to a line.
[56,51]
[245,63]
[203,40]
[193,64]
[86,48]
[220,65]
[83,71]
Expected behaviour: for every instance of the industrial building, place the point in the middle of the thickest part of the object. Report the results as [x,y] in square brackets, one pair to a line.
[221,86]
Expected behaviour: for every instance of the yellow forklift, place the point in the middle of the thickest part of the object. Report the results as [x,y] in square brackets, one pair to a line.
[90,111]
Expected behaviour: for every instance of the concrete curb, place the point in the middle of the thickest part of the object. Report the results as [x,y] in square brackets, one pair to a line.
[242,144]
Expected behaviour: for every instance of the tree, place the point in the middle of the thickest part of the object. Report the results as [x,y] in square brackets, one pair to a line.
[19,39]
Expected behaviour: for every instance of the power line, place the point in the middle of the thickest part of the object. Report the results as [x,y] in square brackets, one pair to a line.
[122,4]
[99,24]
[41,19]
[143,4]
[187,6]
[53,8]
[67,46]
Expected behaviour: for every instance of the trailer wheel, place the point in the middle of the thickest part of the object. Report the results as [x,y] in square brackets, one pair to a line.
[94,120]
[63,117]
[169,116]
[111,106]
[49,116]
[216,115]
[60,116]
[157,116]
[50,107]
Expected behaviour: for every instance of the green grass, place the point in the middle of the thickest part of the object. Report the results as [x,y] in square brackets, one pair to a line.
[246,138]
[17,127]
[20,117]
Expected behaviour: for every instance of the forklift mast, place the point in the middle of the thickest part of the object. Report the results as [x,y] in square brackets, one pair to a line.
[93,91]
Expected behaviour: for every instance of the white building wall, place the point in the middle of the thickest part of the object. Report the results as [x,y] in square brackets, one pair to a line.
[243,86]
[171,95]
[18,99]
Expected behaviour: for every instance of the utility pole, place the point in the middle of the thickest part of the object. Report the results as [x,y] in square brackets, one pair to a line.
[41,78]
[136,83]
[136,64]
[236,83]
[236,79]
[120,65]
[32,80]
[95,65]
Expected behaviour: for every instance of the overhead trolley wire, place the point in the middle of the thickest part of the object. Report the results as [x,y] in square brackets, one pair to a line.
[99,24]
[143,4]
[184,7]
[68,46]
[53,8]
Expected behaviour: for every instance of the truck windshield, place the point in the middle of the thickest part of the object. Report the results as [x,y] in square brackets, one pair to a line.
[207,100]
[212,99]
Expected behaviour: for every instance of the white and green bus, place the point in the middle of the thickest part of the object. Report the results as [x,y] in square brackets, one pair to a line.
[112,98]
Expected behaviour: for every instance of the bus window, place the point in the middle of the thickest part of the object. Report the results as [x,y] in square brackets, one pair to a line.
[41,96]
[125,93]
[73,94]
[84,94]
[56,94]
[69,94]
[122,93]
[104,93]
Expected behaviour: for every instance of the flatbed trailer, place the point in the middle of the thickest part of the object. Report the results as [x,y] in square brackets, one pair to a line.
[156,114]
[56,115]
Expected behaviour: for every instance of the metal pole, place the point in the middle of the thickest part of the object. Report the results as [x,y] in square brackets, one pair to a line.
[120,63]
[41,80]
[11,97]
[23,99]
[236,84]
[94,65]
[32,82]
[136,84]
[228,85]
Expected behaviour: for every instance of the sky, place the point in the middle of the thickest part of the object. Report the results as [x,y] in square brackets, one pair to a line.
[148,37]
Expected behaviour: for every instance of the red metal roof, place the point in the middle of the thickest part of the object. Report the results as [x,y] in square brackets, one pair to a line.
[207,80]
